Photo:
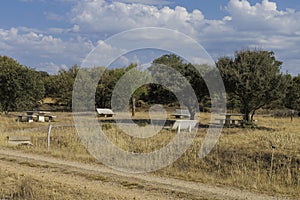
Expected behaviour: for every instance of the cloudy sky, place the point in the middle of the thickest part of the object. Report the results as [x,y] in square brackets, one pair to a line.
[50,35]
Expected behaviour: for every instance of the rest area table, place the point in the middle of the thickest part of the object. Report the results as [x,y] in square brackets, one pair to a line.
[228,119]
[40,116]
[29,116]
[180,113]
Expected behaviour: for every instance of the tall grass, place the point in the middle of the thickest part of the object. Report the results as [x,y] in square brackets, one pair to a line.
[18,186]
[263,159]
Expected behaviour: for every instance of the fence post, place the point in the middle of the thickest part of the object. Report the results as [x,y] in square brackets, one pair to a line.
[48,136]
[131,143]
[271,167]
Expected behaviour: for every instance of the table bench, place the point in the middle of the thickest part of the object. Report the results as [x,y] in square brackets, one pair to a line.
[50,117]
[29,118]
[19,140]
[181,113]
[227,121]
[180,125]
[41,115]
[105,112]
[38,116]
[19,119]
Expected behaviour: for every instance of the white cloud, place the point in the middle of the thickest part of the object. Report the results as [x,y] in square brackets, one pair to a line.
[264,26]
[76,28]
[147,2]
[101,16]
[36,49]
[260,25]
[263,17]
[51,67]
[54,16]
[227,18]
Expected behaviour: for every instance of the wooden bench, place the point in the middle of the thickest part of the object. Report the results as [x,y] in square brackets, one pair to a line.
[180,125]
[181,113]
[241,121]
[38,116]
[105,112]
[50,117]
[19,140]
[221,120]
[230,122]
[19,119]
[28,118]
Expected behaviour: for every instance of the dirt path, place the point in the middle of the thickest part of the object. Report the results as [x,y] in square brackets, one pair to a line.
[111,183]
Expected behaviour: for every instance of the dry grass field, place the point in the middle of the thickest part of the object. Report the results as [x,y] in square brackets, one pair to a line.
[265,159]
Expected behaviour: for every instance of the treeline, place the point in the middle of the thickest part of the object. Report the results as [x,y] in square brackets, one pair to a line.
[252,80]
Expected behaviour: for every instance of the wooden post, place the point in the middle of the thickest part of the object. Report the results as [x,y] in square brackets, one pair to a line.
[178,129]
[292,113]
[227,121]
[131,143]
[48,136]
[133,106]
[271,167]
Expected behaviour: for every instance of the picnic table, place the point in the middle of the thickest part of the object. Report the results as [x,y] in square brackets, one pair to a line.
[106,112]
[181,124]
[40,116]
[180,113]
[19,140]
[231,121]
[29,116]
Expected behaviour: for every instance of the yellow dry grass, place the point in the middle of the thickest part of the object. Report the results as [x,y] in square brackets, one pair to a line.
[264,159]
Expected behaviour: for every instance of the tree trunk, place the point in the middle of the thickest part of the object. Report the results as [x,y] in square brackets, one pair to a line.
[252,115]
[247,116]
[192,113]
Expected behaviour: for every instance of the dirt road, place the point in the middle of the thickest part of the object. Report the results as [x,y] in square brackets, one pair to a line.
[114,184]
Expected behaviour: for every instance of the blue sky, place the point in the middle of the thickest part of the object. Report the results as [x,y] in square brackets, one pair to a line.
[52,35]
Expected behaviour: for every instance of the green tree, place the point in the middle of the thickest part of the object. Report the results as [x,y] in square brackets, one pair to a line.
[108,80]
[131,86]
[64,84]
[292,99]
[111,77]
[156,90]
[20,87]
[51,87]
[180,87]
[253,78]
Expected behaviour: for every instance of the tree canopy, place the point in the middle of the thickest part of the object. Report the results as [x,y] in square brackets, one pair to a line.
[253,78]
[292,99]
[190,81]
[20,87]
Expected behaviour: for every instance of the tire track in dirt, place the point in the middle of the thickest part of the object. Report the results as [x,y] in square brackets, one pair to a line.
[111,182]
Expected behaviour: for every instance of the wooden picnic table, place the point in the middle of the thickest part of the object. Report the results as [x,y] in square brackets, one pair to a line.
[181,124]
[228,119]
[29,116]
[106,112]
[19,140]
[40,115]
[179,113]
